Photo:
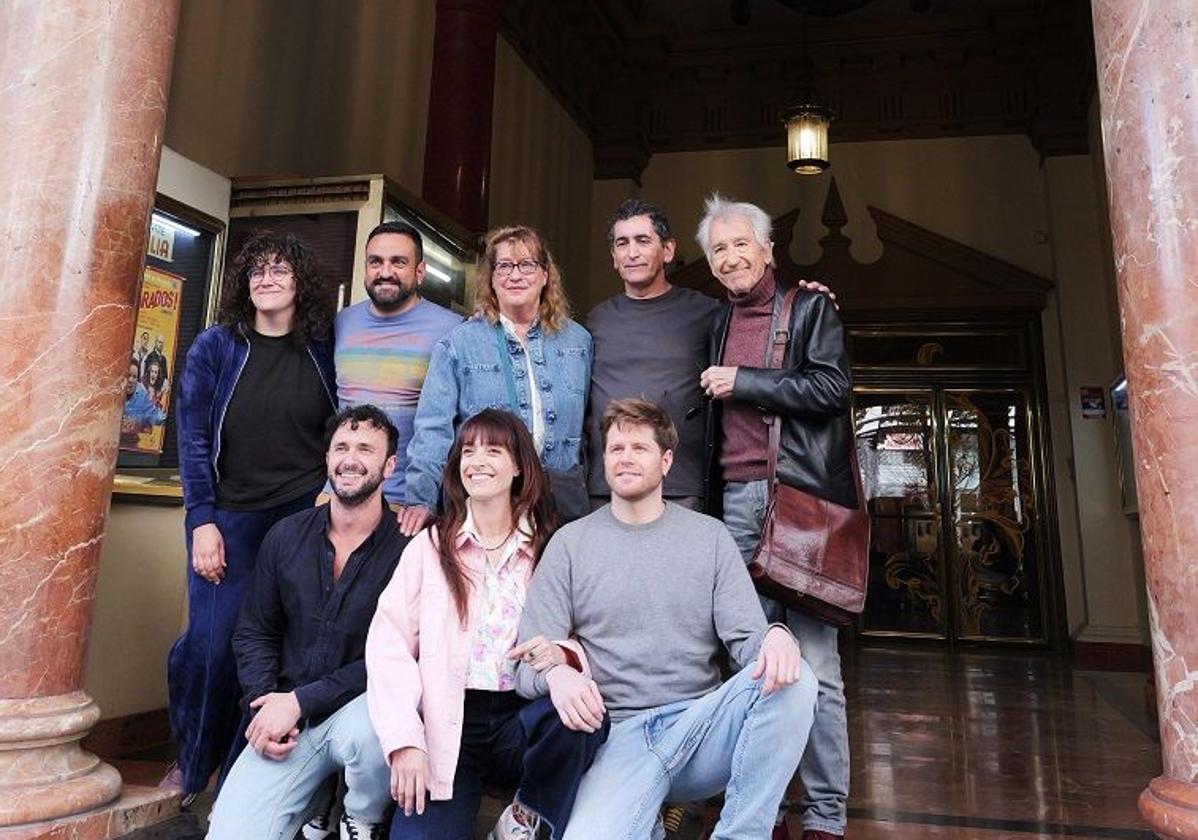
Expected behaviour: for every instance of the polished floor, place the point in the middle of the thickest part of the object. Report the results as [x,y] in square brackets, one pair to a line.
[973,746]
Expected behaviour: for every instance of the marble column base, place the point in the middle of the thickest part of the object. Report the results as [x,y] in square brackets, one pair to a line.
[138,807]
[44,773]
[1171,808]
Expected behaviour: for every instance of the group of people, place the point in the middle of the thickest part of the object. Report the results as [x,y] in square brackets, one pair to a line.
[515,582]
[147,388]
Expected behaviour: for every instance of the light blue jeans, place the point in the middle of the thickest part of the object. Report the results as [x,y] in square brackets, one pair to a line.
[268,799]
[824,770]
[732,739]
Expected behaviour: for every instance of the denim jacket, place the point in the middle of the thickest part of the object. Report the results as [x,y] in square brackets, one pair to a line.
[210,373]
[465,376]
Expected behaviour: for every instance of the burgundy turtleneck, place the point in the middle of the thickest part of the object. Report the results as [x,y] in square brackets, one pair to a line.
[745,445]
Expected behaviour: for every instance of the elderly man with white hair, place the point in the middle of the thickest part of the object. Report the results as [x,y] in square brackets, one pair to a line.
[810,393]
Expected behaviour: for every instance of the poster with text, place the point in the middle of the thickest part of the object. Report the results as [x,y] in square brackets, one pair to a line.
[151,370]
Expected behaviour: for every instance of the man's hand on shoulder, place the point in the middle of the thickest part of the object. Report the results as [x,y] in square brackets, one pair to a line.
[274,723]
[412,519]
[816,286]
[576,698]
[778,662]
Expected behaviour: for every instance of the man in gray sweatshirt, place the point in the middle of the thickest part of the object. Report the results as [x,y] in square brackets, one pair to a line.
[652,590]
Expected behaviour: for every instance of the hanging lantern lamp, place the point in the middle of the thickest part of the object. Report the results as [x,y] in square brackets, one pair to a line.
[807,138]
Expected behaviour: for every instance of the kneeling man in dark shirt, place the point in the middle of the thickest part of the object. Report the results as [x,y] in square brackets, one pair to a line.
[300,646]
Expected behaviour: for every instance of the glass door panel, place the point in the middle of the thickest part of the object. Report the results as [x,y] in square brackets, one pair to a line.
[994,558]
[896,447]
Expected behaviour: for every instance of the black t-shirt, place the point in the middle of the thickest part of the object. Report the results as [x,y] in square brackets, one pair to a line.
[656,349]
[272,437]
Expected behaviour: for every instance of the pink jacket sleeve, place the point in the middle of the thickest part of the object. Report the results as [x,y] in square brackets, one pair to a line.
[393,689]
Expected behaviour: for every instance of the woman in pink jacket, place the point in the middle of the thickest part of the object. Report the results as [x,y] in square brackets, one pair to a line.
[441,653]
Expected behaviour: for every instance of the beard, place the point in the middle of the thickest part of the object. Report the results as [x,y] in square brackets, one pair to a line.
[391,297]
[361,493]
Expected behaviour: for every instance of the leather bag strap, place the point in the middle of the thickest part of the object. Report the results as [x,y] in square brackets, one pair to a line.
[779,339]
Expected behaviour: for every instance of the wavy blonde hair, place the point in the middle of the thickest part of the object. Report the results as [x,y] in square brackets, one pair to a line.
[554,309]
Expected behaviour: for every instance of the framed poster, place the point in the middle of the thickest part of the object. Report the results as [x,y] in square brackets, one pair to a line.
[152,363]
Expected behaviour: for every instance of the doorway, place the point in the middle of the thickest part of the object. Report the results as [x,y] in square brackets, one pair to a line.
[948,427]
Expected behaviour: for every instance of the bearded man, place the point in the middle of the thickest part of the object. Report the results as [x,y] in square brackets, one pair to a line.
[383,344]
[301,643]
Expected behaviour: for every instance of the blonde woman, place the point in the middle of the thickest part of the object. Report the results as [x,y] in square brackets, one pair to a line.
[520,352]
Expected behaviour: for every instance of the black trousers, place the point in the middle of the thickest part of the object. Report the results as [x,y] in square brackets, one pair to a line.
[511,743]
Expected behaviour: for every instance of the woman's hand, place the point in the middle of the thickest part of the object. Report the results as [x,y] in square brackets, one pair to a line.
[208,552]
[409,779]
[539,653]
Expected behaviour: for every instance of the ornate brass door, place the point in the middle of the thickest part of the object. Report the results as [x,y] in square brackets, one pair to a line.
[956,551]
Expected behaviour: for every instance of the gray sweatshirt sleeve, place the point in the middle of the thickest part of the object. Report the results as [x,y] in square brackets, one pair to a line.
[548,612]
[739,619]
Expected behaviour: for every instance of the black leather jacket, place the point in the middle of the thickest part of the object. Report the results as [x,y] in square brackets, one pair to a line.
[812,392]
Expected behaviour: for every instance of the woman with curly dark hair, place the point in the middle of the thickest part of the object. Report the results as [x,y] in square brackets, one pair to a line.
[254,395]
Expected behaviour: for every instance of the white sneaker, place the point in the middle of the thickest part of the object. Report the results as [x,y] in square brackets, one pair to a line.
[355,829]
[509,828]
[318,828]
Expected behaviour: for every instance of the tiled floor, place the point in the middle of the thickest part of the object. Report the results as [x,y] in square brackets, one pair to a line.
[973,746]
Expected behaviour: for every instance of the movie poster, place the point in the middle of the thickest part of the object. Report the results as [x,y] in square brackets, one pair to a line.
[151,371]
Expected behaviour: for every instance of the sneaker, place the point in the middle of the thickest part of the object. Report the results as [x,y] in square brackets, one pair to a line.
[510,828]
[356,829]
[781,832]
[318,828]
[812,834]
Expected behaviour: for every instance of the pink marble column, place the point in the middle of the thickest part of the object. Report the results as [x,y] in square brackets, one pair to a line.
[83,88]
[1147,54]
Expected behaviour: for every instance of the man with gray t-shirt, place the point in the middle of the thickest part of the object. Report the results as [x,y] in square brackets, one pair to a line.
[650,341]
[652,591]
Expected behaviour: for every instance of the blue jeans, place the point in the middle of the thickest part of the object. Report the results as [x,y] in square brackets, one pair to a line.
[824,770]
[732,739]
[511,743]
[201,672]
[270,800]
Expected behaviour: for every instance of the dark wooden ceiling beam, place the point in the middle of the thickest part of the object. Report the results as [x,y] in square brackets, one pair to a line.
[637,85]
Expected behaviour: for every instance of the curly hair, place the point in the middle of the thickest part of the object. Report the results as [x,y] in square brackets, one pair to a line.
[554,309]
[314,302]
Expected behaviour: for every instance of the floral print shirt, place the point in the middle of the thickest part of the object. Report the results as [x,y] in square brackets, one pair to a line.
[496,602]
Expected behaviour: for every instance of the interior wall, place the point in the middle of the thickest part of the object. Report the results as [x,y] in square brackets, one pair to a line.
[984,191]
[139,610]
[603,281]
[995,195]
[542,165]
[140,603]
[303,87]
[1114,594]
